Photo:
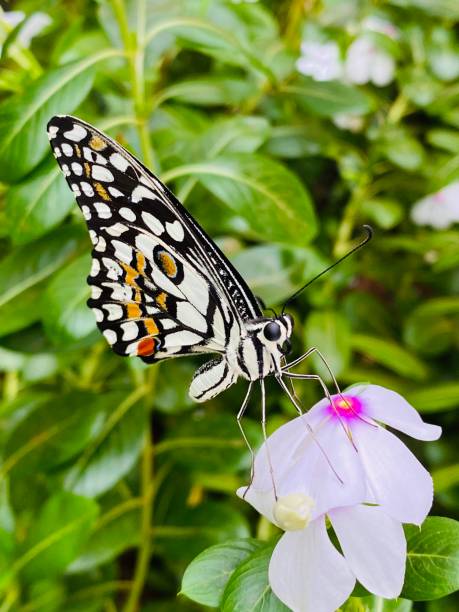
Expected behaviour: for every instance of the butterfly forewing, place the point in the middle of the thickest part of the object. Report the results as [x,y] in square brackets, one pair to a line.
[160,287]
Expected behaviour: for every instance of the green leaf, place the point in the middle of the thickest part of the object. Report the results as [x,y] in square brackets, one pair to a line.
[66,315]
[114,451]
[432,568]
[274,272]
[205,37]
[248,587]
[26,266]
[20,313]
[114,532]
[209,91]
[376,604]
[431,327]
[207,575]
[328,98]
[438,8]
[56,537]
[271,199]
[329,332]
[23,117]
[446,478]
[391,355]
[435,398]
[37,204]
[386,213]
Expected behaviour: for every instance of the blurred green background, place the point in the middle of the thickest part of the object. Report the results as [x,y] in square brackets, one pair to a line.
[282,126]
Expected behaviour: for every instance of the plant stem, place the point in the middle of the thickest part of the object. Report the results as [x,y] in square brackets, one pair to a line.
[134,44]
[148,487]
[346,226]
[143,558]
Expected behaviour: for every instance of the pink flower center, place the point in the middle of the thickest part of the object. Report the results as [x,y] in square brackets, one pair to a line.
[345,406]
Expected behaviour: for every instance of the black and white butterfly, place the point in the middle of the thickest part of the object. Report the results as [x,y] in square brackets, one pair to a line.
[161,288]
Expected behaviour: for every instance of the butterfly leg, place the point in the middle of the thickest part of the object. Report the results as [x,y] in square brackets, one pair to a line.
[312,351]
[298,407]
[265,437]
[239,416]
[327,395]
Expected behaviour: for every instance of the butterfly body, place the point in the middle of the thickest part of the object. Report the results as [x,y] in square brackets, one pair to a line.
[160,287]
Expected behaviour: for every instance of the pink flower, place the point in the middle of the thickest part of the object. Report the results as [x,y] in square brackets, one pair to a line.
[359,475]
[440,209]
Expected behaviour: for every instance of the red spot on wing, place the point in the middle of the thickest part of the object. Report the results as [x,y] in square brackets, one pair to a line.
[146,347]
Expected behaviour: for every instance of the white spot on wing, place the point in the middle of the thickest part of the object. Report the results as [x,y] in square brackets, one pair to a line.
[57,152]
[86,212]
[119,162]
[110,335]
[67,149]
[187,314]
[123,252]
[116,193]
[141,192]
[181,338]
[103,211]
[116,230]
[95,267]
[75,189]
[96,292]
[175,230]
[101,245]
[99,173]
[130,330]
[76,134]
[113,269]
[114,311]
[77,169]
[87,189]
[52,131]
[127,213]
[99,314]
[153,223]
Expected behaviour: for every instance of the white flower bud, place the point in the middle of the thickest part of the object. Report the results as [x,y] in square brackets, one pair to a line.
[293,512]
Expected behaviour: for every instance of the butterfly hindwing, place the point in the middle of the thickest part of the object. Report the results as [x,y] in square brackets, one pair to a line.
[160,287]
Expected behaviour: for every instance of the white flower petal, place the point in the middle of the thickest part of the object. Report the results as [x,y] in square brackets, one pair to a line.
[325,466]
[397,481]
[374,546]
[307,573]
[358,61]
[382,69]
[392,409]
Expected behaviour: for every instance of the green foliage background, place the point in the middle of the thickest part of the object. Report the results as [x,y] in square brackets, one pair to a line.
[111,479]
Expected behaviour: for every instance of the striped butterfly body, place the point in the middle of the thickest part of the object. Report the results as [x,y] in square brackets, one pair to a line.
[160,287]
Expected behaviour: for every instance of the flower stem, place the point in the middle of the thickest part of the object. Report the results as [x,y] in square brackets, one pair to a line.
[347,224]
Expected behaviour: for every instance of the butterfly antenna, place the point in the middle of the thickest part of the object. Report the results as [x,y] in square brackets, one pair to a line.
[369,235]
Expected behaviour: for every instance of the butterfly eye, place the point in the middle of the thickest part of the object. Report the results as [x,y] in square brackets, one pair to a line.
[286,347]
[272,331]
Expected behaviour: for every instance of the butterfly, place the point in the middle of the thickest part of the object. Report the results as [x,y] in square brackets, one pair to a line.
[160,287]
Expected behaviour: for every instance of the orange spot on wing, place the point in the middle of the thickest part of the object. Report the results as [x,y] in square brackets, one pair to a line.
[161,300]
[140,262]
[151,327]
[87,169]
[167,264]
[97,143]
[131,275]
[101,191]
[146,347]
[77,150]
[133,311]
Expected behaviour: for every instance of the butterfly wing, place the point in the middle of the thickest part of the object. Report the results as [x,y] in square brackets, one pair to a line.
[160,286]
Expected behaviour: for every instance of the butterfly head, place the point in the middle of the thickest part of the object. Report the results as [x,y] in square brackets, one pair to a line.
[276,334]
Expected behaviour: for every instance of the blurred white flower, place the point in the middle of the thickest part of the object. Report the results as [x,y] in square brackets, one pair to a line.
[33,26]
[349,121]
[359,475]
[440,209]
[373,23]
[319,60]
[366,62]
